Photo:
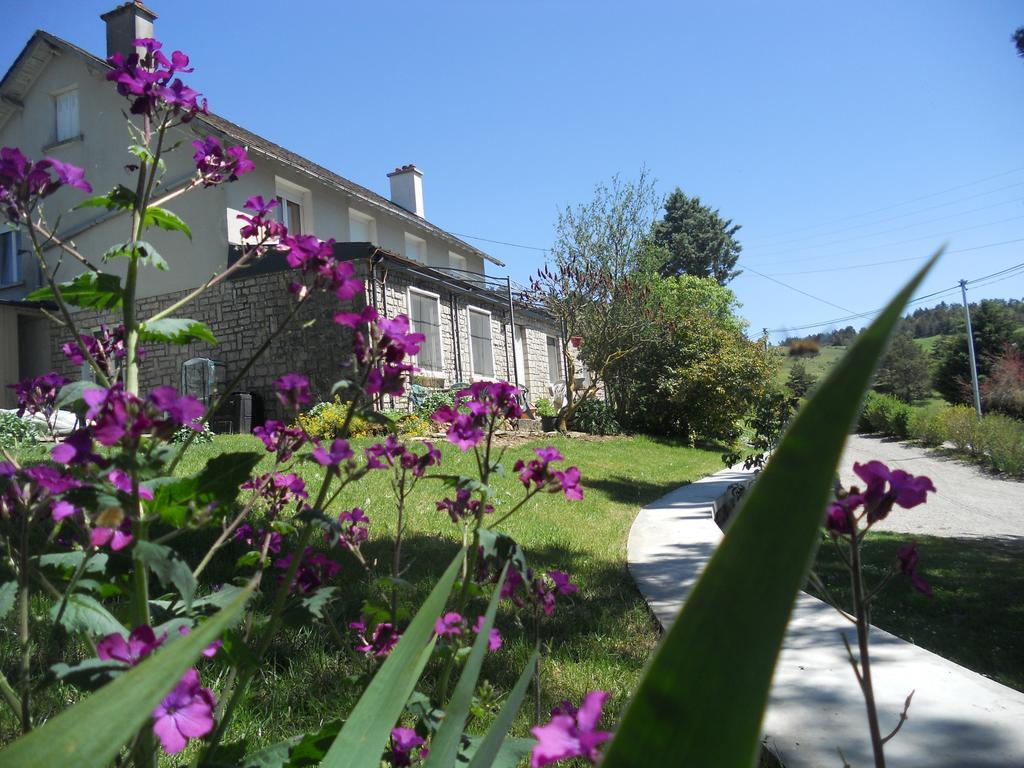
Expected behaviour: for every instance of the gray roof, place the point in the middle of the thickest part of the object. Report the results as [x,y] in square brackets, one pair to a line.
[37,51]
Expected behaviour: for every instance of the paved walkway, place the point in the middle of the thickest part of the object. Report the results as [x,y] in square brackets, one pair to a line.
[958,719]
[969,502]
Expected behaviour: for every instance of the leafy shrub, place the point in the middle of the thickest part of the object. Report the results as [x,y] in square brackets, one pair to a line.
[206,436]
[1003,390]
[415,425]
[15,430]
[544,407]
[885,415]
[800,381]
[324,421]
[960,426]
[595,417]
[1001,440]
[804,348]
[436,399]
[926,426]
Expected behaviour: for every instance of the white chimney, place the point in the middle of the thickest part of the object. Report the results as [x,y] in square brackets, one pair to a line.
[126,24]
[407,188]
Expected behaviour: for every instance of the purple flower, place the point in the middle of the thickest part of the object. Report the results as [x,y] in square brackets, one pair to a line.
[216,165]
[185,713]
[117,537]
[463,506]
[339,452]
[382,640]
[908,559]
[569,483]
[76,449]
[887,487]
[354,527]
[38,395]
[62,509]
[184,410]
[574,735]
[403,742]
[70,175]
[840,518]
[24,183]
[293,390]
[140,643]
[280,438]
[147,82]
[123,482]
[448,625]
[50,479]
[262,225]
[494,640]
[314,569]
[562,584]
[488,402]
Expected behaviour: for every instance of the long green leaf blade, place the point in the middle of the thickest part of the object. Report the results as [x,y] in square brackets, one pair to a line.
[92,732]
[491,744]
[703,696]
[364,738]
[444,747]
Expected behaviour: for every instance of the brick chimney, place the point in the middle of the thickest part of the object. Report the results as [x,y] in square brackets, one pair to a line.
[125,24]
[407,188]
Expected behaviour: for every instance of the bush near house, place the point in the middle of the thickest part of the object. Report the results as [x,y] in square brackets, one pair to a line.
[15,430]
[595,417]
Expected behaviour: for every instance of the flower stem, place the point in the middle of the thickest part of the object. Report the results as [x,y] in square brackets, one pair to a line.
[863,628]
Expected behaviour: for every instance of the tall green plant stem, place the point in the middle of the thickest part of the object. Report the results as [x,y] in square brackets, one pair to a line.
[24,629]
[861,611]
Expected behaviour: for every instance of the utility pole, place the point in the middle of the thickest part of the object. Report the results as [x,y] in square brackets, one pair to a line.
[970,349]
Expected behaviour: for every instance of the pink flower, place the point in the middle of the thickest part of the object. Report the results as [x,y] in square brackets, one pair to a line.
[403,742]
[185,713]
[908,558]
[887,487]
[448,625]
[293,390]
[339,452]
[494,640]
[574,735]
[116,538]
[140,643]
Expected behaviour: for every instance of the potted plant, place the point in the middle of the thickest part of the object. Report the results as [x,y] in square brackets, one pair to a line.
[547,413]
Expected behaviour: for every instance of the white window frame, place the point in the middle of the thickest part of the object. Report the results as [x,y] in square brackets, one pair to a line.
[11,234]
[414,239]
[557,376]
[302,197]
[363,218]
[440,336]
[75,130]
[469,335]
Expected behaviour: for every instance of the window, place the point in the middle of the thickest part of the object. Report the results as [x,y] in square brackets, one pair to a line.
[554,361]
[458,263]
[415,248]
[425,316]
[481,352]
[10,259]
[67,115]
[361,228]
[294,208]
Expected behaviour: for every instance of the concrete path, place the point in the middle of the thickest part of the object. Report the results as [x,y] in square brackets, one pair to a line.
[968,503]
[958,719]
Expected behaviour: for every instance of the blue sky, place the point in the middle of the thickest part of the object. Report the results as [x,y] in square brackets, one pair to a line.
[838,135]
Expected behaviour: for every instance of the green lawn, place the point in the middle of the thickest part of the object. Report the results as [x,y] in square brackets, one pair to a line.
[976,616]
[818,366]
[600,639]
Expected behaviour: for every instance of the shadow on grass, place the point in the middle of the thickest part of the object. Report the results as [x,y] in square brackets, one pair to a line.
[628,490]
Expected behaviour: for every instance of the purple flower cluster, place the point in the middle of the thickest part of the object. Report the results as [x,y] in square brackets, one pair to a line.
[293,391]
[262,225]
[184,713]
[463,506]
[381,641]
[394,453]
[254,538]
[278,490]
[541,591]
[119,418]
[389,344]
[353,528]
[538,473]
[217,164]
[315,259]
[150,84]
[403,742]
[279,438]
[334,456]
[908,558]
[453,624]
[314,569]
[477,409]
[35,488]
[39,394]
[571,732]
[107,348]
[24,183]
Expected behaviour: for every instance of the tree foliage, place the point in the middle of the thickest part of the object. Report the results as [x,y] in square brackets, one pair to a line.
[697,240]
[904,373]
[993,325]
[800,381]
[701,374]
[595,283]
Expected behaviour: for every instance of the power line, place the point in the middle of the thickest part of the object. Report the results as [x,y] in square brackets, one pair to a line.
[502,242]
[900,204]
[893,261]
[792,288]
[1002,274]
[892,218]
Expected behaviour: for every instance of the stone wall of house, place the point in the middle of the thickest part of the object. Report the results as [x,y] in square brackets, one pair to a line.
[242,315]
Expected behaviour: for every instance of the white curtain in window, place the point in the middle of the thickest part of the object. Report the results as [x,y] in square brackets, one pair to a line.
[480,343]
[67,115]
[426,319]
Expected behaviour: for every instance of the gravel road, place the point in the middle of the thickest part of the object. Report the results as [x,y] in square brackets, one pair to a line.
[968,503]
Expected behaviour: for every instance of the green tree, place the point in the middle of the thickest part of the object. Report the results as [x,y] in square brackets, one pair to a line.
[800,381]
[904,373]
[697,240]
[701,374]
[993,324]
[596,282]
[1018,40]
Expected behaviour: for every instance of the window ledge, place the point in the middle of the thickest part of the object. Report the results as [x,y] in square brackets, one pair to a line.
[64,142]
[6,286]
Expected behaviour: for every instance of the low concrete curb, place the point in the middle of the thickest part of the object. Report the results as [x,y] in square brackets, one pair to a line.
[958,719]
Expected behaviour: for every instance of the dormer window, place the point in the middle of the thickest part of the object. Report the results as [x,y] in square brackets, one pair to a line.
[361,227]
[66,104]
[415,248]
[294,208]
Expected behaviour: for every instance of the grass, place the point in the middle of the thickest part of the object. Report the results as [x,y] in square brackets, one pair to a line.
[818,366]
[600,639]
[975,617]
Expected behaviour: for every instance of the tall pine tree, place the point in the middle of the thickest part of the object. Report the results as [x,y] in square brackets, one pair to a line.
[698,241]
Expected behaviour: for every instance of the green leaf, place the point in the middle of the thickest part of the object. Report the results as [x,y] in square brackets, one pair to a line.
[164,219]
[71,394]
[296,751]
[120,198]
[176,330]
[309,606]
[89,674]
[368,728]
[86,614]
[91,733]
[511,753]
[145,155]
[92,290]
[8,591]
[704,693]
[498,545]
[488,748]
[168,567]
[444,748]
[66,562]
[145,252]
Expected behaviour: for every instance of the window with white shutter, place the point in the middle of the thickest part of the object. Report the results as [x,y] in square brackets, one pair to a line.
[425,318]
[67,115]
[480,348]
